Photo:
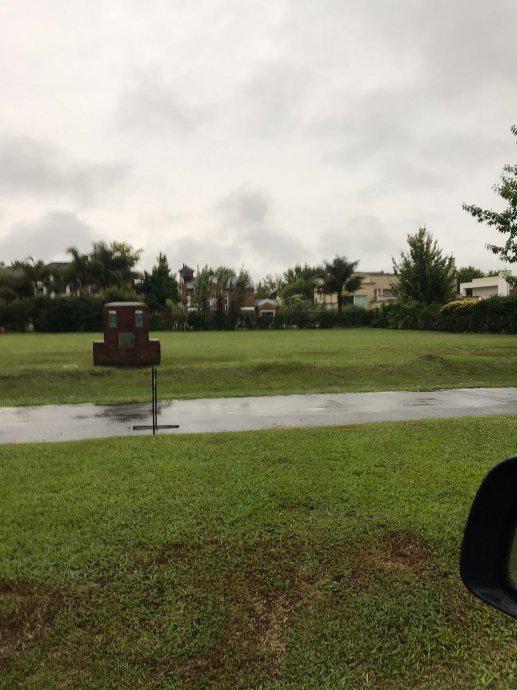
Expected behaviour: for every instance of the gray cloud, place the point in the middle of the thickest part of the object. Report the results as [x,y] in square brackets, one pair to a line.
[341,110]
[154,106]
[364,238]
[247,215]
[275,98]
[34,167]
[47,237]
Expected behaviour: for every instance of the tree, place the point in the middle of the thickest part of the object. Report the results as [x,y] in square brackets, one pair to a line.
[203,291]
[79,274]
[112,265]
[31,275]
[222,276]
[505,221]
[339,277]
[269,287]
[241,289]
[466,274]
[301,281]
[424,274]
[159,285]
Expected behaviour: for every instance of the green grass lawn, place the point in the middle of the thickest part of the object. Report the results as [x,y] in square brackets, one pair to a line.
[57,368]
[321,558]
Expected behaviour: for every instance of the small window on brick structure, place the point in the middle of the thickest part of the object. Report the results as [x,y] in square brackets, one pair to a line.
[139,318]
[112,318]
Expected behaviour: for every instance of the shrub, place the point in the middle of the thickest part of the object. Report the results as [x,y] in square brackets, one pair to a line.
[67,314]
[16,315]
[493,315]
[160,322]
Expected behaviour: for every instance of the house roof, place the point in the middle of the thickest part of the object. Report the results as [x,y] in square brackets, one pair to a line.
[186,270]
[267,300]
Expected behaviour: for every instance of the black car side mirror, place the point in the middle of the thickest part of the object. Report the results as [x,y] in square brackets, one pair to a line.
[488,563]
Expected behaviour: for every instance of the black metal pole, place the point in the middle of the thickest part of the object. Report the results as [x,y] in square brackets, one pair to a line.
[155,414]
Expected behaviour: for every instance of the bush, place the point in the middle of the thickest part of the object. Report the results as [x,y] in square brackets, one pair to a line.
[493,315]
[16,315]
[67,314]
[160,322]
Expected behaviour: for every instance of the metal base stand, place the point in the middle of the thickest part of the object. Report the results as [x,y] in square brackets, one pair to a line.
[154,402]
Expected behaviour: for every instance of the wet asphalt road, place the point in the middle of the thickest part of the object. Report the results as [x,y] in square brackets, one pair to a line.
[71,422]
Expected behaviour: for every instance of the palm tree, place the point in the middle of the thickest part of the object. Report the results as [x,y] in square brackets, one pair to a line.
[33,274]
[301,281]
[79,273]
[339,278]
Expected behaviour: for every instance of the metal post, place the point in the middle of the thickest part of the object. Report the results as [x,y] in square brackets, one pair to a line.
[154,407]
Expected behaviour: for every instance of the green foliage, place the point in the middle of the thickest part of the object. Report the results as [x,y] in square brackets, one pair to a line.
[67,314]
[16,314]
[493,315]
[269,287]
[159,285]
[203,290]
[109,264]
[425,275]
[504,221]
[240,291]
[466,274]
[300,282]
[339,277]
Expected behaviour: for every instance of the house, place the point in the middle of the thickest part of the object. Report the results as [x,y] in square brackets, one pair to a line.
[186,284]
[250,309]
[481,288]
[376,288]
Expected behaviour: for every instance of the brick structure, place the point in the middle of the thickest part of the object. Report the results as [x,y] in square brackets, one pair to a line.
[126,337]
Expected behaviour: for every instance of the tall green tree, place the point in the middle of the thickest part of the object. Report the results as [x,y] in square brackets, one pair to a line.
[222,276]
[301,281]
[465,274]
[241,289]
[504,221]
[203,292]
[339,277]
[31,275]
[159,285]
[269,287]
[79,274]
[112,264]
[424,274]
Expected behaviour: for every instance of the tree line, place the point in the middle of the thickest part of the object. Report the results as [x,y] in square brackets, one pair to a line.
[424,274]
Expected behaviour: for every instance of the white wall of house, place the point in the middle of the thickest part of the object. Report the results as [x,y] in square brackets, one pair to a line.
[481,288]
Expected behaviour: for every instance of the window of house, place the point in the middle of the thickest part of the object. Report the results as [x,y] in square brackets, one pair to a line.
[359,300]
[112,318]
[139,318]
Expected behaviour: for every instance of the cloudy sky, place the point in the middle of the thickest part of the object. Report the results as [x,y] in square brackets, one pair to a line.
[254,132]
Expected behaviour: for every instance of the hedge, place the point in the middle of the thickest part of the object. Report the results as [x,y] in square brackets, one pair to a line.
[68,314]
[492,315]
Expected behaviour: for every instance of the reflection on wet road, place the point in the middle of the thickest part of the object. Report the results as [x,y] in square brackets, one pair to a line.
[69,422]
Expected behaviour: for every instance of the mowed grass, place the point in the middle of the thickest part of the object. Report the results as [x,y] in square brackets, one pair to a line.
[58,368]
[321,558]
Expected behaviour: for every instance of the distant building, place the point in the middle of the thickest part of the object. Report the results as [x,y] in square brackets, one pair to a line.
[186,285]
[376,288]
[481,288]
[252,307]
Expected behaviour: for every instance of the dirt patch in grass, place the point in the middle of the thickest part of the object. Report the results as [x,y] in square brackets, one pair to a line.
[402,551]
[27,610]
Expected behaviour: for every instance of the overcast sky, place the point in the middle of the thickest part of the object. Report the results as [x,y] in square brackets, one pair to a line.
[253,132]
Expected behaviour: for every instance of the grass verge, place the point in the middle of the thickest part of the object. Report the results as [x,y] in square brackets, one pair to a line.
[310,558]
[57,368]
